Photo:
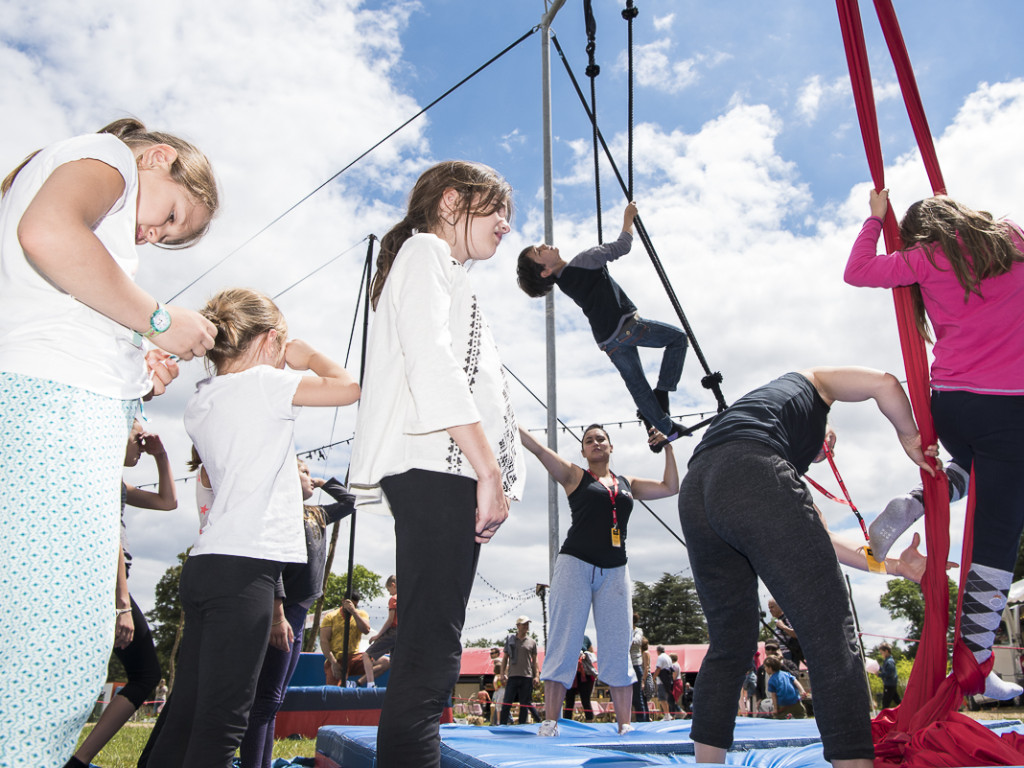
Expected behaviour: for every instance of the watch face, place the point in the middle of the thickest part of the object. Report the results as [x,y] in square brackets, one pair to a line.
[160,320]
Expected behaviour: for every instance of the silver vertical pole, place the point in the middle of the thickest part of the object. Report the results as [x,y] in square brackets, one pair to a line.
[549,301]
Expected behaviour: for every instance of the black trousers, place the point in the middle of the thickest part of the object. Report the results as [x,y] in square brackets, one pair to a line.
[435,565]
[584,688]
[518,689]
[731,495]
[139,660]
[229,604]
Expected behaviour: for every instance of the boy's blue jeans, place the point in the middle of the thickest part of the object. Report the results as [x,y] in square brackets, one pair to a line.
[624,355]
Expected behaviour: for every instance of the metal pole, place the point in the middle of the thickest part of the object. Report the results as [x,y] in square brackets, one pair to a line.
[549,301]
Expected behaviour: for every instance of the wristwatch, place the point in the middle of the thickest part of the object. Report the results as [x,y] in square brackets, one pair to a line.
[159,321]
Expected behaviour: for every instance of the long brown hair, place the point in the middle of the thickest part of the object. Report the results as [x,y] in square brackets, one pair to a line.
[976,246]
[191,169]
[481,191]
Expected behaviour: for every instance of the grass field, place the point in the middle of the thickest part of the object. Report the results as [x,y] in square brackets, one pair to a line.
[124,749]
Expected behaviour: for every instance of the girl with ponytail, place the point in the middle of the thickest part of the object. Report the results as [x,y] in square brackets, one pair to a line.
[436,439]
[242,422]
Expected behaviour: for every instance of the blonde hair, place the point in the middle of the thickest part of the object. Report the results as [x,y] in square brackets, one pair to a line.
[241,315]
[481,191]
[191,169]
[976,246]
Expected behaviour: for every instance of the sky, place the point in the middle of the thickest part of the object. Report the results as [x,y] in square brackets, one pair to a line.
[749,174]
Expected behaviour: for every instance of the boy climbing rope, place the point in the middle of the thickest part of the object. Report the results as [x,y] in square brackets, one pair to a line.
[617,326]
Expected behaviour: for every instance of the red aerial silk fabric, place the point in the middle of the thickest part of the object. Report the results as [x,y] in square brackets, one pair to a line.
[925,730]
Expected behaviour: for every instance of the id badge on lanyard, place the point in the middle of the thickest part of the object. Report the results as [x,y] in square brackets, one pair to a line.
[613,492]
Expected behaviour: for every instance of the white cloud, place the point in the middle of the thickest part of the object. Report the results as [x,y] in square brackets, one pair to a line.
[653,68]
[663,23]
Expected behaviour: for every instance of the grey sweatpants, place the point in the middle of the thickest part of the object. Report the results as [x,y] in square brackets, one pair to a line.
[747,514]
[575,587]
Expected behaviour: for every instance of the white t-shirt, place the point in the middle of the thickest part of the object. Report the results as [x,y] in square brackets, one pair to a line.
[47,333]
[243,425]
[664,661]
[432,364]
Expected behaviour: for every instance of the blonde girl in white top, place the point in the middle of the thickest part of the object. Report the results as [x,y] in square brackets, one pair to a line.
[436,439]
[72,367]
[242,423]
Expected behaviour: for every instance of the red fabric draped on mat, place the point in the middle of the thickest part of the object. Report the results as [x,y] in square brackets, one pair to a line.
[925,730]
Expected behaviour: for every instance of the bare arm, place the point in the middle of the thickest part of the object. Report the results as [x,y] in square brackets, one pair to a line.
[124,628]
[627,217]
[855,384]
[649,490]
[56,233]
[387,625]
[564,472]
[361,621]
[332,385]
[325,643]
[281,633]
[788,630]
[166,497]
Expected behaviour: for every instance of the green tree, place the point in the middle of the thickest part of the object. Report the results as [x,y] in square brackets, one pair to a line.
[368,584]
[167,618]
[669,611]
[483,642]
[904,600]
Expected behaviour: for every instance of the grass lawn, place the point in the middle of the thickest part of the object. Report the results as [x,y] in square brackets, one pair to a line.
[124,749]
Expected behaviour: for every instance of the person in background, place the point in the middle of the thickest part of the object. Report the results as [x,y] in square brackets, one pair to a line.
[785,691]
[383,643]
[332,640]
[890,678]
[636,658]
[519,673]
[582,683]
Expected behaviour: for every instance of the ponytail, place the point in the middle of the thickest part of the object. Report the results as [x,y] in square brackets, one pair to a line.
[241,316]
[389,246]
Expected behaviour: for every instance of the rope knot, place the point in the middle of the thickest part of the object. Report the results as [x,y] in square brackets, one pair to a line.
[712,380]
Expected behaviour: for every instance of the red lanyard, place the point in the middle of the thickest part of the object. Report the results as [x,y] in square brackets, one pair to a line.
[849,501]
[612,493]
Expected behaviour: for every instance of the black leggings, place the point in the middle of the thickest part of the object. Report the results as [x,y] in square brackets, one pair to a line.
[229,604]
[435,564]
[139,660]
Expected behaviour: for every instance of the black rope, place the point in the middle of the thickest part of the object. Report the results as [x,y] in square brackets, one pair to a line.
[365,280]
[711,380]
[629,13]
[593,70]
[274,221]
[306,277]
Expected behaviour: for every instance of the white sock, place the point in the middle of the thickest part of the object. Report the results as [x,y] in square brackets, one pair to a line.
[999,689]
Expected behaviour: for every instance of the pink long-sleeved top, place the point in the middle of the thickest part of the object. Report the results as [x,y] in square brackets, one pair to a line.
[979,343]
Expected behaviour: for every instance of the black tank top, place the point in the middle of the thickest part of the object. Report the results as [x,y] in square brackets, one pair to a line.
[590,535]
[788,414]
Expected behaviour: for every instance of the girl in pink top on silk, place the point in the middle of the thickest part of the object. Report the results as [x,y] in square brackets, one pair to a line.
[968,273]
